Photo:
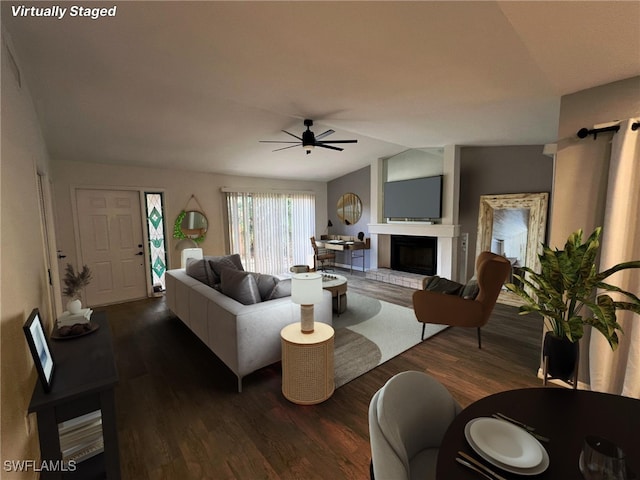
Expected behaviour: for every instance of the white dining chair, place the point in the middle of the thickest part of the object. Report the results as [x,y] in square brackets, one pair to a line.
[408,418]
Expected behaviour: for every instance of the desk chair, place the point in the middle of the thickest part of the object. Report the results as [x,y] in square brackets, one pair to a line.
[321,255]
[408,418]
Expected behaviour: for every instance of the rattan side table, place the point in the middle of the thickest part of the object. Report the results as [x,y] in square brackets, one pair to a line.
[307,363]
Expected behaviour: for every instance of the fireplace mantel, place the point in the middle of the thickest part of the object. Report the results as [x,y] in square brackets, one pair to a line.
[447,236]
[415,228]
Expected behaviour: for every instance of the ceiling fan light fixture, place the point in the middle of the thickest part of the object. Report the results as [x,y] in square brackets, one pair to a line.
[308,140]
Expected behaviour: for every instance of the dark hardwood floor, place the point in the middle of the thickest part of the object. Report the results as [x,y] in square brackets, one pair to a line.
[180,417]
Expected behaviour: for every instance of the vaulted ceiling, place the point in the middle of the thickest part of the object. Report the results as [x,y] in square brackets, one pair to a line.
[196,85]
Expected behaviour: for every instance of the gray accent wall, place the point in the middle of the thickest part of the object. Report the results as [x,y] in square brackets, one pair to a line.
[494,171]
[483,171]
[358,182]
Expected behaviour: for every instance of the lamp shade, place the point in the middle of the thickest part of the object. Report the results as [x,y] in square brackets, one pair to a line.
[190,253]
[306,288]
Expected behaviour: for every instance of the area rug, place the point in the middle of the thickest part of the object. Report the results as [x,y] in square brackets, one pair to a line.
[370,332]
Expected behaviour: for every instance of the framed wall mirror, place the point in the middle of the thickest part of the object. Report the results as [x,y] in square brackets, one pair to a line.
[349,208]
[194,224]
[513,225]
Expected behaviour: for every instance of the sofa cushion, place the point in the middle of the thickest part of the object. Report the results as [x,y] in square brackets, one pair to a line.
[266,283]
[239,285]
[282,289]
[226,261]
[201,271]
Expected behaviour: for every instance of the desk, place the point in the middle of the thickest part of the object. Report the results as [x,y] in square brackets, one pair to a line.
[84,380]
[342,245]
[565,416]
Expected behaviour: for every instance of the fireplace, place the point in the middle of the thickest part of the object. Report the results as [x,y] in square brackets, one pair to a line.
[414,254]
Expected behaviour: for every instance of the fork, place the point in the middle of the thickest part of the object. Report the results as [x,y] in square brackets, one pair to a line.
[484,469]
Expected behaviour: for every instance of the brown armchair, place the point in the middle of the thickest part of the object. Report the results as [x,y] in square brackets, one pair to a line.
[321,256]
[432,307]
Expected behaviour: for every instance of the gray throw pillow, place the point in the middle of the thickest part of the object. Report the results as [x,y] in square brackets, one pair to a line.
[442,285]
[200,270]
[239,285]
[426,281]
[266,284]
[470,290]
[225,261]
[282,289]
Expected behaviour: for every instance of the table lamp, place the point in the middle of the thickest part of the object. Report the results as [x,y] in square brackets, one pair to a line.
[190,253]
[306,289]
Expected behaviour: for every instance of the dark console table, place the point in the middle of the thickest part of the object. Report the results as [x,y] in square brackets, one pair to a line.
[84,380]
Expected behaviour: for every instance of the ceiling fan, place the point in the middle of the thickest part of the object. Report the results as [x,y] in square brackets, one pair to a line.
[309,141]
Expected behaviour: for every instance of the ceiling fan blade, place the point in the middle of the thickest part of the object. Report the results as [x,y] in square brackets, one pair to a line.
[284,148]
[276,141]
[322,145]
[294,136]
[325,134]
[339,141]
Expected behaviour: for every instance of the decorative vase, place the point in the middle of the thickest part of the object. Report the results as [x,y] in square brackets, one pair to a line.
[561,356]
[74,306]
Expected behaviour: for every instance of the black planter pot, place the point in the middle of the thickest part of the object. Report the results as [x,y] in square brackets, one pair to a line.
[560,357]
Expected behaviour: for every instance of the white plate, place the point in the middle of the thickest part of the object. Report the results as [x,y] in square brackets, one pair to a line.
[506,442]
[536,470]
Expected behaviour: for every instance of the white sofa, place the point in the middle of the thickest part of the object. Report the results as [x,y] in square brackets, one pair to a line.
[245,337]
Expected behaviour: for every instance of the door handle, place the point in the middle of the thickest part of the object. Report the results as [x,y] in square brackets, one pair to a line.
[140,253]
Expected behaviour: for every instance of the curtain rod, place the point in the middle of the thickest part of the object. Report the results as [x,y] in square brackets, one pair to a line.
[585,132]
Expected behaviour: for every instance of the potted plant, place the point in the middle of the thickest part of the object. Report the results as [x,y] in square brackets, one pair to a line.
[570,292]
[73,284]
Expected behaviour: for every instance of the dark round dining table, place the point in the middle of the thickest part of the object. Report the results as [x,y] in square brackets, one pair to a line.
[563,415]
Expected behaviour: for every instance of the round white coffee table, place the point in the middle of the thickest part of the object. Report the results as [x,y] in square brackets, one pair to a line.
[337,285]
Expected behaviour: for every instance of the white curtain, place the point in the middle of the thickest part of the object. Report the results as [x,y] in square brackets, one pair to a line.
[239,215]
[619,372]
[303,211]
[271,231]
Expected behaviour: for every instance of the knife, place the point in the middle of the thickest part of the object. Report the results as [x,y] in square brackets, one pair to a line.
[524,426]
[513,420]
[475,469]
[481,466]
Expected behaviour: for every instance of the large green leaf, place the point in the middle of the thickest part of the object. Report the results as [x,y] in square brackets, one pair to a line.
[566,287]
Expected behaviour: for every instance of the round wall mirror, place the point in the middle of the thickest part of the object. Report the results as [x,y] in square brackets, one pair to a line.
[194,224]
[349,208]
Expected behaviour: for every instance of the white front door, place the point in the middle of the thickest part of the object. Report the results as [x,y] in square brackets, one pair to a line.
[110,226]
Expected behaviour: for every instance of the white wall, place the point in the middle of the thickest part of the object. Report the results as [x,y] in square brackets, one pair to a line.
[581,173]
[414,163]
[23,284]
[178,186]
[582,165]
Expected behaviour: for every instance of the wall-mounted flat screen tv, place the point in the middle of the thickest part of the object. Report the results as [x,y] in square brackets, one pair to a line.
[414,199]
